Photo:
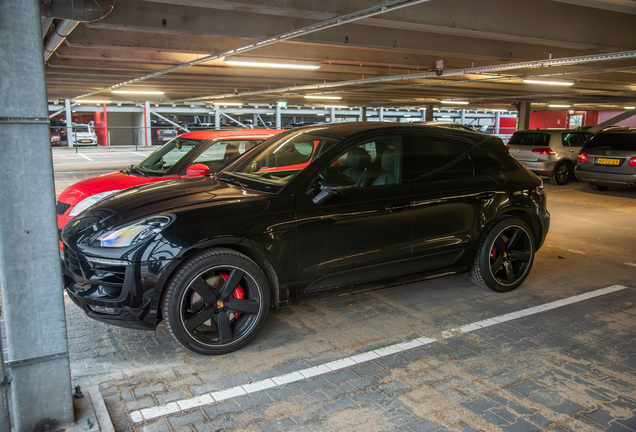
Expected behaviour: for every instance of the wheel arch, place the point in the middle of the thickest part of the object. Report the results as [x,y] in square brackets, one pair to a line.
[528,217]
[261,261]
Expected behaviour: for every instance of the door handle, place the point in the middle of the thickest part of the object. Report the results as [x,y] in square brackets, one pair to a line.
[486,196]
[397,207]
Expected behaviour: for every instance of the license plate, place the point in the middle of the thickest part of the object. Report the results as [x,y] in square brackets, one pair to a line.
[523,165]
[603,161]
[86,140]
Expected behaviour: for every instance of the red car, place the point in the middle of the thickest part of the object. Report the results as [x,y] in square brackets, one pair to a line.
[55,139]
[214,149]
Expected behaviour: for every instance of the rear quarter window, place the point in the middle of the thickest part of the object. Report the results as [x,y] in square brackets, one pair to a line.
[613,141]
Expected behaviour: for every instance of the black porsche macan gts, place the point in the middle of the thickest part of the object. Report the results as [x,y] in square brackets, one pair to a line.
[315,210]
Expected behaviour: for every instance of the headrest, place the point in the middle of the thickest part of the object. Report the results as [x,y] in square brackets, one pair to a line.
[389,161]
[358,158]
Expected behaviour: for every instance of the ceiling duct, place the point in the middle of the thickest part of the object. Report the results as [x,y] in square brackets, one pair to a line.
[70,13]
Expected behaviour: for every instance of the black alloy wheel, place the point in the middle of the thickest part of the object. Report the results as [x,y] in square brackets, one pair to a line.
[598,188]
[216,302]
[561,174]
[505,256]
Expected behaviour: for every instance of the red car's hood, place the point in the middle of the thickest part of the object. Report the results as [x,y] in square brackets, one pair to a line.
[103,183]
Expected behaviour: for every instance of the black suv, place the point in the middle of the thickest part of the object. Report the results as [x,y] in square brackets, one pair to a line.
[608,159]
[328,208]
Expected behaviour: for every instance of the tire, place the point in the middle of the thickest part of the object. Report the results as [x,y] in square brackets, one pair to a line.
[562,174]
[505,256]
[597,187]
[216,302]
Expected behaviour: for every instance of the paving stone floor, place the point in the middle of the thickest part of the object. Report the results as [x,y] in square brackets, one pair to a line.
[568,369]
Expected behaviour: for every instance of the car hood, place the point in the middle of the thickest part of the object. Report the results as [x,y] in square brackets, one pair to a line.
[104,183]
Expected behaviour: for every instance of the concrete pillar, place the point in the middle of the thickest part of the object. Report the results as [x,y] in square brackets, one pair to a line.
[381,113]
[332,114]
[278,119]
[462,116]
[30,273]
[217,117]
[429,112]
[147,124]
[69,122]
[497,122]
[523,115]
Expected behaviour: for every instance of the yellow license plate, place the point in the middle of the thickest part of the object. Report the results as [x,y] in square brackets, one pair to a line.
[608,161]
[523,165]
[86,140]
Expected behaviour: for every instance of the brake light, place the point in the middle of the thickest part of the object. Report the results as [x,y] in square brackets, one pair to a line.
[547,151]
[508,148]
[632,162]
[582,157]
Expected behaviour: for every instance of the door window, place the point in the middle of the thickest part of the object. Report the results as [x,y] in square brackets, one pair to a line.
[224,150]
[574,139]
[438,158]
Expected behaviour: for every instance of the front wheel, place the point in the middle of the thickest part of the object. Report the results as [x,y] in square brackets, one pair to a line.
[216,302]
[505,256]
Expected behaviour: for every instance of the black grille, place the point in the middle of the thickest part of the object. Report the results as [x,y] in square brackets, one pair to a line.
[72,261]
[62,207]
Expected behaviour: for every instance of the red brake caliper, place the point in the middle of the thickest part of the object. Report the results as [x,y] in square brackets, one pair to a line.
[238,292]
[493,251]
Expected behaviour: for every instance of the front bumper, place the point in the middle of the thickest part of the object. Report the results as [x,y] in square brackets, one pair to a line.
[605,179]
[127,292]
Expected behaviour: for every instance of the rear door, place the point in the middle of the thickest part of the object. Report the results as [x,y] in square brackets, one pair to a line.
[573,142]
[521,145]
[451,187]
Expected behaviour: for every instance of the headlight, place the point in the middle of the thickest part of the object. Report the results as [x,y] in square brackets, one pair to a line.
[134,233]
[84,204]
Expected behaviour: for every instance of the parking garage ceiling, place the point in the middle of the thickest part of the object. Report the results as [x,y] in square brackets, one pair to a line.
[140,37]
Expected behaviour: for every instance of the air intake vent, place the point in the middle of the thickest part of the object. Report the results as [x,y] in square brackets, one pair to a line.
[62,207]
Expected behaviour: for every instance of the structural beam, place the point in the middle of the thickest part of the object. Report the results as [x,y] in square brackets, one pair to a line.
[30,273]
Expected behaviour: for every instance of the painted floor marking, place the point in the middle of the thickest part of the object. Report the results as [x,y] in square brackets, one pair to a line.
[281,380]
[86,157]
[631,264]
[138,154]
[570,250]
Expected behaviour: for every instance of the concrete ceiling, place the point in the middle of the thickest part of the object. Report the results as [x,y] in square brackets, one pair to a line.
[143,36]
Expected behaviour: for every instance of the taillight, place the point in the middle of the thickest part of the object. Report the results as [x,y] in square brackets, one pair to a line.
[547,151]
[582,157]
[508,148]
[632,162]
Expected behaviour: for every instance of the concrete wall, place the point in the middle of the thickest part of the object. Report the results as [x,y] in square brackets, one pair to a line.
[119,135]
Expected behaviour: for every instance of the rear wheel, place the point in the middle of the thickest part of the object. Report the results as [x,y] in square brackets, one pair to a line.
[597,187]
[561,174]
[505,256]
[216,302]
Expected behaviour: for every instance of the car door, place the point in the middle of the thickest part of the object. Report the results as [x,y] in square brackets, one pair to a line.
[364,235]
[451,189]
[573,142]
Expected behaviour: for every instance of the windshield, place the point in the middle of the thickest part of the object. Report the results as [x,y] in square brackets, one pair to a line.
[613,141]
[275,162]
[81,128]
[530,138]
[167,156]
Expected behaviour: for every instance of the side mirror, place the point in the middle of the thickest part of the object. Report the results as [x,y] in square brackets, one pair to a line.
[333,185]
[197,170]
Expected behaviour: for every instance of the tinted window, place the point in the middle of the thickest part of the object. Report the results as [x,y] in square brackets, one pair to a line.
[167,156]
[482,160]
[438,158]
[613,141]
[530,138]
[225,150]
[571,139]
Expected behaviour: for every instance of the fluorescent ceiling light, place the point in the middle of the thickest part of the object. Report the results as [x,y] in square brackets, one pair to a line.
[272,63]
[230,103]
[446,116]
[81,101]
[137,92]
[454,102]
[322,97]
[319,114]
[499,109]
[629,107]
[559,106]
[548,82]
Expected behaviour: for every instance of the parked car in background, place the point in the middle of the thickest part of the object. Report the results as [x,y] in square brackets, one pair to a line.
[214,149]
[608,159]
[549,152]
[55,138]
[329,208]
[162,133]
[83,135]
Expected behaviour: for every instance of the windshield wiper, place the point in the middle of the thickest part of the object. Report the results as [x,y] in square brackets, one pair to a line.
[134,169]
[230,180]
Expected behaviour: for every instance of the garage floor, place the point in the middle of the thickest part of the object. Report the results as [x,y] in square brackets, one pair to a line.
[569,366]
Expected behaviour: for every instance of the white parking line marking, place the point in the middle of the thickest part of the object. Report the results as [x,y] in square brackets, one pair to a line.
[281,380]
[138,154]
[570,250]
[86,157]
[631,264]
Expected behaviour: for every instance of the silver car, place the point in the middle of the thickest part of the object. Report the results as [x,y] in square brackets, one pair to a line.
[608,159]
[549,152]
